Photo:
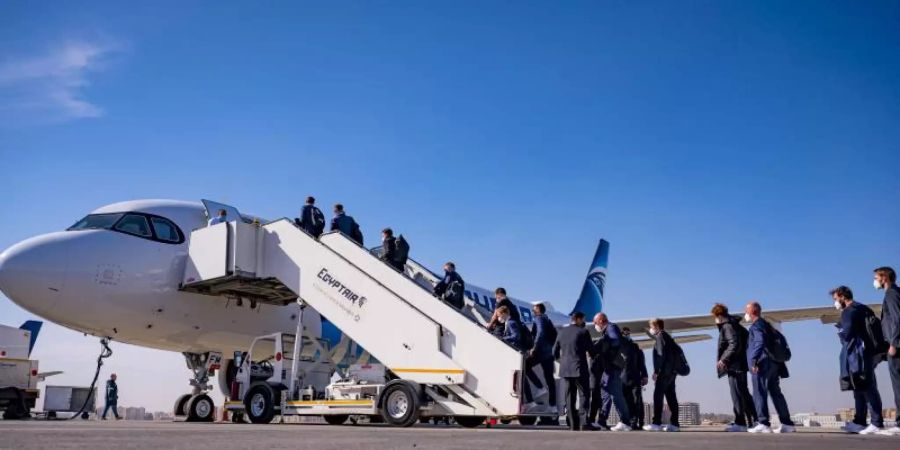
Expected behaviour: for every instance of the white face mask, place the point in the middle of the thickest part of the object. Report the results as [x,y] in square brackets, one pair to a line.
[747,317]
[876,284]
[720,320]
[837,305]
[654,332]
[503,319]
[598,328]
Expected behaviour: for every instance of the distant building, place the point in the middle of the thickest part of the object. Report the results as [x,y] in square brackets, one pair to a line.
[846,414]
[135,413]
[688,414]
[818,420]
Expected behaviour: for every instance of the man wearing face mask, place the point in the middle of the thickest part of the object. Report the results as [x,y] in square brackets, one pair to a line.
[502,300]
[512,328]
[571,349]
[767,373]
[634,378]
[606,381]
[857,362]
[664,373]
[886,279]
[732,361]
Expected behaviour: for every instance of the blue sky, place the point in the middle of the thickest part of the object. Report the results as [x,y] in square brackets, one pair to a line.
[727,150]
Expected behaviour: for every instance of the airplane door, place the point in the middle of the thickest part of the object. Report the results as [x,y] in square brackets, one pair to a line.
[212,210]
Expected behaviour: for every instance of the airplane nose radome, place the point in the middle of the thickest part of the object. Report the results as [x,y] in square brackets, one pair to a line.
[32,272]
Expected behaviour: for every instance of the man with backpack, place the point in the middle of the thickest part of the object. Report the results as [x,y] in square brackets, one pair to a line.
[634,378]
[512,329]
[668,363]
[311,218]
[543,335]
[390,252]
[731,360]
[451,288]
[858,353]
[606,386]
[886,279]
[767,352]
[346,224]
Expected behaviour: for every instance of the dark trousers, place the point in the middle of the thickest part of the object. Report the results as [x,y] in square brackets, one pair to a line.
[767,383]
[744,410]
[635,400]
[611,393]
[113,405]
[596,394]
[576,408]
[546,367]
[665,389]
[893,363]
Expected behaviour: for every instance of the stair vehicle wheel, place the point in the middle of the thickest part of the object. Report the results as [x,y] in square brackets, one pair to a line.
[527,420]
[336,419]
[505,421]
[200,408]
[180,404]
[259,404]
[237,417]
[400,405]
[469,421]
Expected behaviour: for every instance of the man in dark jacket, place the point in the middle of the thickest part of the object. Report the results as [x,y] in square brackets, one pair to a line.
[112,397]
[665,354]
[450,289]
[544,336]
[886,278]
[731,360]
[512,328]
[634,378]
[502,300]
[571,349]
[606,388]
[346,224]
[853,334]
[767,374]
[311,218]
[389,249]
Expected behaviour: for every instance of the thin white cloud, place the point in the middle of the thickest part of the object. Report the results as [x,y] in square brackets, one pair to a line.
[51,86]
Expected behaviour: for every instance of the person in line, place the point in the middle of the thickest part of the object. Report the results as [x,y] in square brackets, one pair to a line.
[112,397]
[634,378]
[389,249]
[512,328]
[502,300]
[857,353]
[541,354]
[766,373]
[885,278]
[571,350]
[731,361]
[607,388]
[311,218]
[665,355]
[220,217]
[451,288]
[346,224]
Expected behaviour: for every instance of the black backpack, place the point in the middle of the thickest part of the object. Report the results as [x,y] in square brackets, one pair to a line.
[526,340]
[454,295]
[777,346]
[682,368]
[402,253]
[318,221]
[874,340]
[356,233]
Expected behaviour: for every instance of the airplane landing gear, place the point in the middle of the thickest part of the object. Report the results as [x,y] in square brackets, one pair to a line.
[197,406]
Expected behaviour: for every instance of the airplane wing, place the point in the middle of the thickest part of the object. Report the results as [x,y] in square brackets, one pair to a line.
[684,339]
[43,375]
[704,322]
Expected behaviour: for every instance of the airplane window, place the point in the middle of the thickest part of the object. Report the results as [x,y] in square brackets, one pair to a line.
[165,230]
[96,221]
[134,224]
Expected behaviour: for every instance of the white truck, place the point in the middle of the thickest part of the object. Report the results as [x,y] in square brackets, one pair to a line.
[19,375]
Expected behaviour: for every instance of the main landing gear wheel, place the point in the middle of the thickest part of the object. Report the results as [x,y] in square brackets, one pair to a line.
[337,419]
[469,421]
[200,408]
[180,408]
[400,406]
[259,404]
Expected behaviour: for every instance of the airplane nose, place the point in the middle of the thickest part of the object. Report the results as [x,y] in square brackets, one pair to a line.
[33,272]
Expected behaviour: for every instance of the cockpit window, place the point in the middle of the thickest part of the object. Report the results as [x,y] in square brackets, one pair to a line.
[134,224]
[165,230]
[96,221]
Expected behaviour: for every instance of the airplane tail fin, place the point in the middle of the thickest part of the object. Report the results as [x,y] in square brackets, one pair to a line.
[591,300]
[34,326]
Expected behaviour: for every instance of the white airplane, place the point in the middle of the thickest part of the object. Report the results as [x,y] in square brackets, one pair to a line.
[117,274]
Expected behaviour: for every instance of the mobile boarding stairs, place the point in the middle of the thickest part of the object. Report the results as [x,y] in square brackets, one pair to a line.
[436,361]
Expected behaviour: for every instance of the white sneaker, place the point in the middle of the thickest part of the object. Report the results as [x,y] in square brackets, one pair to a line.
[652,427]
[541,392]
[871,429]
[621,427]
[852,427]
[760,428]
[672,428]
[786,429]
[735,428]
[892,431]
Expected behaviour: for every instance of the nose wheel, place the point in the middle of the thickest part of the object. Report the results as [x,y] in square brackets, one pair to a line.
[198,406]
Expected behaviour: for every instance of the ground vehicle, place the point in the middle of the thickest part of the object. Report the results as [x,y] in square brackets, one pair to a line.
[18,374]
